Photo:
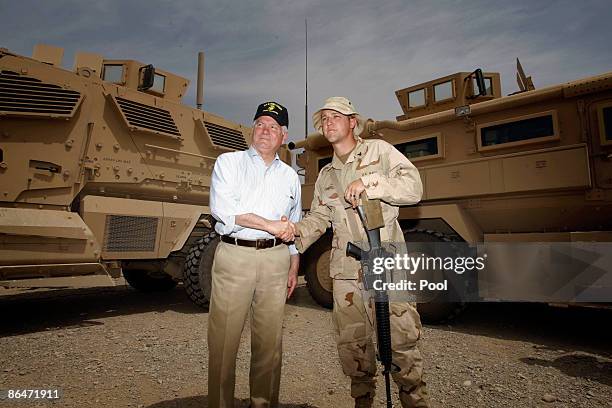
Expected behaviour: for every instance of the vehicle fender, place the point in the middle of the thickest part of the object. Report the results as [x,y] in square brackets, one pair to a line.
[452,214]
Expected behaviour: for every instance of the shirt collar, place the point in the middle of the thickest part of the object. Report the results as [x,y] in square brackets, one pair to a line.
[356,152]
[253,153]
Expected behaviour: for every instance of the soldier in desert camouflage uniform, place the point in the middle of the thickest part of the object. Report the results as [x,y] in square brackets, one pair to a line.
[376,167]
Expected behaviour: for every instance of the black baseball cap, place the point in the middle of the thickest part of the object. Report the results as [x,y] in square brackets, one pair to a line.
[274,110]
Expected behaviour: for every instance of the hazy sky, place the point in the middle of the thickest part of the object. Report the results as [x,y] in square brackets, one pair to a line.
[364,50]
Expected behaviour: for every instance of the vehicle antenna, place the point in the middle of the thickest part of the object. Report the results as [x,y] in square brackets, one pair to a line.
[306,99]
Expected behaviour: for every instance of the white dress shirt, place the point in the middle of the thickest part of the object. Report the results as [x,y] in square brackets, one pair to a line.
[242,183]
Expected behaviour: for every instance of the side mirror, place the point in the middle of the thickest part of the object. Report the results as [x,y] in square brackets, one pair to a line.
[480,82]
[147,76]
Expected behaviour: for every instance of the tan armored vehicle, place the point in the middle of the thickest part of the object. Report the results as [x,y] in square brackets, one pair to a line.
[532,166]
[103,169]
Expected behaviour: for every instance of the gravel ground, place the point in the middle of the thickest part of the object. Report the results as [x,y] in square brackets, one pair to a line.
[114,347]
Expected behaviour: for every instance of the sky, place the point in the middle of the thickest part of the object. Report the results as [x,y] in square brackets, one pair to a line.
[364,50]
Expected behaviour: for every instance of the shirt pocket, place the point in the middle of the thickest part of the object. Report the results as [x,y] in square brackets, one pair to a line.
[369,165]
[332,200]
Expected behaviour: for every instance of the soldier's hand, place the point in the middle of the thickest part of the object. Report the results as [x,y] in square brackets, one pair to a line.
[279,229]
[294,228]
[286,230]
[353,191]
[291,226]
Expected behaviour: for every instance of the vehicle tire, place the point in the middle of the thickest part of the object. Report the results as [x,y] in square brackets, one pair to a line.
[434,312]
[197,269]
[146,281]
[316,271]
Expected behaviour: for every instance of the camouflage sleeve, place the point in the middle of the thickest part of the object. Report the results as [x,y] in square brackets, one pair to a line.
[314,224]
[402,183]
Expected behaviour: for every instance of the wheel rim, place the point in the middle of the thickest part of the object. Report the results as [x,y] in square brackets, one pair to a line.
[325,281]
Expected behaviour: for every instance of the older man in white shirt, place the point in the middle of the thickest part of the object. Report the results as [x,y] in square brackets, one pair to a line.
[253,193]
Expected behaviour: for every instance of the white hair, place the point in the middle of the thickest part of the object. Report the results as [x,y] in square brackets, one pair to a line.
[284,128]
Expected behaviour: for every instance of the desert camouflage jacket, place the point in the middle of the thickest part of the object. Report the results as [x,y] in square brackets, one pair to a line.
[387,175]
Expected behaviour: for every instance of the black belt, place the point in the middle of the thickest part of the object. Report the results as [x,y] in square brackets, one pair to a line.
[261,243]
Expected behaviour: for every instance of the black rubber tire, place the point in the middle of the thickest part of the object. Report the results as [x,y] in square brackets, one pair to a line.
[146,282]
[197,269]
[319,283]
[434,312]
[439,312]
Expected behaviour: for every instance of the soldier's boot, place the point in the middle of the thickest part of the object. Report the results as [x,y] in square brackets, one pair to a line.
[363,388]
[365,401]
[415,397]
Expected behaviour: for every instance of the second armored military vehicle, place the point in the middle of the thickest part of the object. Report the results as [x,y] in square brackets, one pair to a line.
[532,166]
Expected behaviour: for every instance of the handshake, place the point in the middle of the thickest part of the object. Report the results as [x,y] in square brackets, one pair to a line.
[283,229]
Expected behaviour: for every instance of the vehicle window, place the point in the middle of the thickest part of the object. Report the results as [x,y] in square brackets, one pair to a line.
[488,85]
[419,148]
[159,83]
[416,98]
[113,73]
[443,91]
[525,129]
[607,123]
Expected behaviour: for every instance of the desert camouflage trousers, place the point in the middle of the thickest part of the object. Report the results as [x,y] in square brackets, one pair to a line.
[353,322]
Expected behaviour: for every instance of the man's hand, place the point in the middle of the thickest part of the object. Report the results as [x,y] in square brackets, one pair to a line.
[353,191]
[291,282]
[292,277]
[282,229]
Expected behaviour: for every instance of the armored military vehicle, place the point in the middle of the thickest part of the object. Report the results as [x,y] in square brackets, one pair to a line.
[104,169]
[533,166]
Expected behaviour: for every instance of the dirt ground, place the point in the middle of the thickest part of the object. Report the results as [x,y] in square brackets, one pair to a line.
[114,347]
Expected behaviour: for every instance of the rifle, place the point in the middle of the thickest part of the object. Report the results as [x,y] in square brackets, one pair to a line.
[372,220]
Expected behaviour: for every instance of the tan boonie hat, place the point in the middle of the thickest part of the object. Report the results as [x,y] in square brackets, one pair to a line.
[342,105]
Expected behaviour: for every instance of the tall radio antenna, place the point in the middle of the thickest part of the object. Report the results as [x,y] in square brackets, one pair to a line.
[306,101]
